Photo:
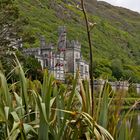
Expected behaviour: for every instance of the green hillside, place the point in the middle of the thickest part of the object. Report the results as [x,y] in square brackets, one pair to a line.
[116,38]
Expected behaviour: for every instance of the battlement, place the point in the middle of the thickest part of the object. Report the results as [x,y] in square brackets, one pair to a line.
[61,30]
[74,44]
[31,51]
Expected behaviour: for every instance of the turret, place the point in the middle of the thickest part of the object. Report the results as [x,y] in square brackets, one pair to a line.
[42,42]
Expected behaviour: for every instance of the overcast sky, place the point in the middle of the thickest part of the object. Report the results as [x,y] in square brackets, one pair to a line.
[130,4]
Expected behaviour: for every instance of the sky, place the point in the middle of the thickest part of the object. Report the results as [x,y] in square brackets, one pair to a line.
[130,4]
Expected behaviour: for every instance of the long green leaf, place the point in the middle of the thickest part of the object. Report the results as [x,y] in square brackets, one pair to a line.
[103,118]
[23,83]
[68,105]
[4,91]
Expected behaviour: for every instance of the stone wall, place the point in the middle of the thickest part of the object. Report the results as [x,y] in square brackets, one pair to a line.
[118,85]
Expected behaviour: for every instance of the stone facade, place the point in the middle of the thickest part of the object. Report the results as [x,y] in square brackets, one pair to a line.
[64,59]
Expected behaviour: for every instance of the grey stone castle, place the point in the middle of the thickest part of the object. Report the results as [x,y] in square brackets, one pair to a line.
[64,59]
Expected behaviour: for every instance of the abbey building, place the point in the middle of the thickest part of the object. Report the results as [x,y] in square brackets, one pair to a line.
[64,59]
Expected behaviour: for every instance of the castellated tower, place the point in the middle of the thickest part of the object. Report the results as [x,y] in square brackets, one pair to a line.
[73,53]
[42,42]
[45,53]
[66,59]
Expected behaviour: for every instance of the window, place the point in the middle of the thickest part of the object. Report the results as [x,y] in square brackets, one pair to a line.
[77,55]
[86,70]
[81,69]
[46,63]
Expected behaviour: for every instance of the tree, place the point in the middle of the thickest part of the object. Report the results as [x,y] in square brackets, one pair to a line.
[101,68]
[33,68]
[9,25]
[10,29]
[117,69]
[30,65]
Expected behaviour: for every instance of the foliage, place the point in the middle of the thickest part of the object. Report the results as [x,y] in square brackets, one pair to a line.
[52,110]
[27,113]
[30,64]
[7,9]
[115,37]
[30,19]
[117,69]
[10,25]
[33,68]
[110,112]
